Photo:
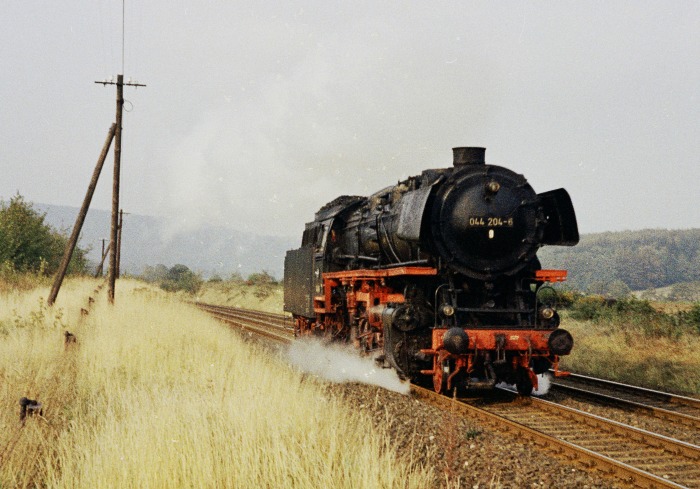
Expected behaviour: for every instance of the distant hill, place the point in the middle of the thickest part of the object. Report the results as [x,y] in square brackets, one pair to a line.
[150,240]
[646,259]
[642,260]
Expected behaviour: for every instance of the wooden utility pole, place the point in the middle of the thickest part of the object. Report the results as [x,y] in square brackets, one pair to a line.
[98,272]
[115,190]
[119,240]
[73,240]
[113,270]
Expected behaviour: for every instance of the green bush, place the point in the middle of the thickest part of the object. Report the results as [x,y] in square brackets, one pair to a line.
[261,278]
[264,284]
[179,277]
[566,298]
[587,307]
[694,314]
[635,316]
[28,244]
[692,318]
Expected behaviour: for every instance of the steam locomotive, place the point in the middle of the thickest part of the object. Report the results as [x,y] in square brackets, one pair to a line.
[438,277]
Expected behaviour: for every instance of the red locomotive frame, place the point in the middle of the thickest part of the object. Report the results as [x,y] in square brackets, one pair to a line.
[366,295]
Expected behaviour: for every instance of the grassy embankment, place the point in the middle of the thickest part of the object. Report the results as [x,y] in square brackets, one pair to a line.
[261,297]
[626,353]
[157,394]
[620,350]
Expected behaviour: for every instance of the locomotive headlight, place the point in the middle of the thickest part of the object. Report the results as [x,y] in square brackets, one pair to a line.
[447,310]
[493,186]
[547,313]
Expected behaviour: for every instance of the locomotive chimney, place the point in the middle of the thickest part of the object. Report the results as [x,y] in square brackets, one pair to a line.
[468,156]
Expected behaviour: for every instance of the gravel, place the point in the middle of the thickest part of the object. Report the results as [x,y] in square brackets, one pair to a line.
[638,419]
[462,451]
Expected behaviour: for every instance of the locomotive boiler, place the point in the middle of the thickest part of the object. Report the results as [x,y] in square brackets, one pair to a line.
[438,277]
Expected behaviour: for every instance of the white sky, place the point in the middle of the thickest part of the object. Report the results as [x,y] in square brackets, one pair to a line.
[258,113]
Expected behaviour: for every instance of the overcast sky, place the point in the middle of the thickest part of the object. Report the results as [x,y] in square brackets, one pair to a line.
[258,113]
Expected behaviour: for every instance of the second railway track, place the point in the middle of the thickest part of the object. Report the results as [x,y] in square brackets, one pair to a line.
[275,326]
[639,457]
[669,407]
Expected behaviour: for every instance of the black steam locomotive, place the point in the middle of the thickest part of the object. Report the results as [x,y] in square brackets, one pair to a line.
[438,275]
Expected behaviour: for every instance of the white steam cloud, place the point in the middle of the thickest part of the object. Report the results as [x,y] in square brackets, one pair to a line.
[544,382]
[341,363]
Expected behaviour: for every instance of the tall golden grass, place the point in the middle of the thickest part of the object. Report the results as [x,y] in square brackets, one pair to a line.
[11,280]
[657,363]
[268,298]
[155,394]
[33,364]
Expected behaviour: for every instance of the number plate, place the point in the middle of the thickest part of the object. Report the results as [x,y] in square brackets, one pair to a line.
[490,222]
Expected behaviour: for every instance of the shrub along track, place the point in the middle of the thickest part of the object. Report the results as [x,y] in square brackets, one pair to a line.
[630,455]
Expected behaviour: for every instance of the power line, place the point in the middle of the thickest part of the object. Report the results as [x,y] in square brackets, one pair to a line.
[123,10]
[115,231]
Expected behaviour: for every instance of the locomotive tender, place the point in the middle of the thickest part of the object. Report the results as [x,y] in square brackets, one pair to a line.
[438,276]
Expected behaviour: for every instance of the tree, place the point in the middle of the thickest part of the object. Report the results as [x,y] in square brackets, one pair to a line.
[180,277]
[643,260]
[261,278]
[263,283]
[28,244]
[155,274]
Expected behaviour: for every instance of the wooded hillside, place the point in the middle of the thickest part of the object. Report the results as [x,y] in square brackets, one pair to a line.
[641,260]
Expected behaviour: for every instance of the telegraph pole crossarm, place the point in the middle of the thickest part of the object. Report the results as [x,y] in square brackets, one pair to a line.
[127,84]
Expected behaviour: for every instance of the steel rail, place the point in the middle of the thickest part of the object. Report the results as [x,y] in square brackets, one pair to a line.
[261,318]
[588,458]
[670,407]
[655,411]
[257,323]
[656,440]
[667,397]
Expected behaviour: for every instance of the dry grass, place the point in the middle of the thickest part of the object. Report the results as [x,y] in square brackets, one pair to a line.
[658,363]
[33,363]
[239,294]
[12,281]
[156,394]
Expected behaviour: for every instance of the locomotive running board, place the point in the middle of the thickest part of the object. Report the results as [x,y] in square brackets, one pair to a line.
[383,273]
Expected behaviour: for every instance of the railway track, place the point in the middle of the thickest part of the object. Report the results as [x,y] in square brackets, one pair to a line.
[639,457]
[275,326]
[669,407]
